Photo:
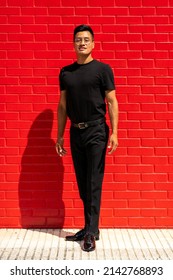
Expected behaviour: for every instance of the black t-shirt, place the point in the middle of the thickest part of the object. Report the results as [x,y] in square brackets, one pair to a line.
[85,85]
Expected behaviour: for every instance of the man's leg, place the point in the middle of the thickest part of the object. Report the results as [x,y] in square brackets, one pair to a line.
[97,138]
[80,165]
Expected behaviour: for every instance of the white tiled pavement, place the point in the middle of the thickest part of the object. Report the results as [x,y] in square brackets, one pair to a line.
[114,244]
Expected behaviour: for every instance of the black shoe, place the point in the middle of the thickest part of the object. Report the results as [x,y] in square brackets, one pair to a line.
[77,237]
[97,235]
[89,243]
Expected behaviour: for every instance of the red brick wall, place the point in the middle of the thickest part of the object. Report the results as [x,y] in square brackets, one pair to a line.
[37,188]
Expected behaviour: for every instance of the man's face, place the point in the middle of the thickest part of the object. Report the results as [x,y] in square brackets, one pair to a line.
[83,43]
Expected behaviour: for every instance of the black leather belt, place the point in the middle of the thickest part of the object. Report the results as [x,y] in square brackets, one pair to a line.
[83,125]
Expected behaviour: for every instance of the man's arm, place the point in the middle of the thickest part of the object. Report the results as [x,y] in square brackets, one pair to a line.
[62,119]
[113,115]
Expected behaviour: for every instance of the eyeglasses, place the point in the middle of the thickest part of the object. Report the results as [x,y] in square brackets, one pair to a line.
[85,41]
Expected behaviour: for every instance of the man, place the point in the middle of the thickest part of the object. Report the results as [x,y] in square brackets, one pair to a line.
[84,87]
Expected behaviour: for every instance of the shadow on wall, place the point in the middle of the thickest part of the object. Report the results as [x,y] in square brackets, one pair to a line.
[41,178]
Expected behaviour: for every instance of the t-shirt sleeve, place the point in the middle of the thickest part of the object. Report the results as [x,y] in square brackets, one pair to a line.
[61,80]
[108,78]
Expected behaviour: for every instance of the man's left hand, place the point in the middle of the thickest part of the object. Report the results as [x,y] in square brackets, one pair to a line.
[113,144]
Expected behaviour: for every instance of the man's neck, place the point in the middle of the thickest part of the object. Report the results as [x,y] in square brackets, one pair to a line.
[84,59]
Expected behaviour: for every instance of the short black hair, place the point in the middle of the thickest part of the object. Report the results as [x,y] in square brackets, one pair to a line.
[83,27]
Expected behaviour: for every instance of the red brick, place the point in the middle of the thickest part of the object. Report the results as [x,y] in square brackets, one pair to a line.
[163,203]
[115,11]
[164,28]
[141,204]
[142,28]
[10,11]
[114,169]
[170,212]
[170,177]
[141,98]
[156,54]
[114,203]
[128,20]
[9,28]
[133,133]
[140,169]
[154,107]
[154,72]
[27,3]
[140,115]
[10,46]
[2,212]
[8,81]
[63,11]
[20,19]
[154,177]
[141,81]
[128,54]
[141,186]
[88,11]
[157,3]
[154,142]
[129,3]
[154,194]
[142,11]
[163,151]
[47,37]
[163,81]
[73,20]
[31,81]
[33,46]
[9,204]
[163,116]
[170,194]
[19,72]
[115,186]
[9,222]
[160,63]
[126,212]
[3,19]
[157,37]
[45,3]
[154,212]
[166,221]
[141,222]
[115,45]
[106,213]
[163,186]
[21,37]
[141,63]
[20,54]
[68,3]
[128,37]
[130,107]
[19,107]
[34,11]
[154,160]
[33,28]
[155,19]
[2,195]
[155,89]
[141,151]
[126,195]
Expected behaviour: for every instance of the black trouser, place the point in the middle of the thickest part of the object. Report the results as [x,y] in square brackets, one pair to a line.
[88,147]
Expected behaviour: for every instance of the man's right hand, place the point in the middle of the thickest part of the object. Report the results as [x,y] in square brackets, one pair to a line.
[59,148]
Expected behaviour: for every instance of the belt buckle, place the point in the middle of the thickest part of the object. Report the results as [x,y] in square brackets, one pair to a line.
[82,125]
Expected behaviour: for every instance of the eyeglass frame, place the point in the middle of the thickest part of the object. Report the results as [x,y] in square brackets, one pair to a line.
[84,40]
